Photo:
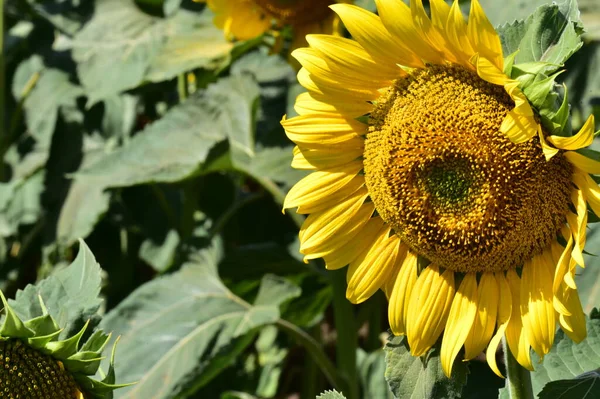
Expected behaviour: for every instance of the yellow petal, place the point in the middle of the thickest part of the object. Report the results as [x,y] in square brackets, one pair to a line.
[582,139]
[428,309]
[373,267]
[320,228]
[399,298]
[582,162]
[518,128]
[323,158]
[548,151]
[342,256]
[537,307]
[590,189]
[368,30]
[574,324]
[397,18]
[322,131]
[317,186]
[330,91]
[460,321]
[430,33]
[488,297]
[578,224]
[516,337]
[348,56]
[505,302]
[489,72]
[308,104]
[314,63]
[483,36]
[456,32]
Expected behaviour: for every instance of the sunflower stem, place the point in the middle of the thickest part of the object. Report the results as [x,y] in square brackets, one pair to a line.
[347,334]
[518,378]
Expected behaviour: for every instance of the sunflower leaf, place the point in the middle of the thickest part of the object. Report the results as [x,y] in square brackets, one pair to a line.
[331,395]
[585,386]
[570,360]
[175,147]
[70,295]
[410,376]
[179,330]
[551,34]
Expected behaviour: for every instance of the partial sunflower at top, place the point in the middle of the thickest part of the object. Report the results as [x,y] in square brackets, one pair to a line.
[422,147]
[247,19]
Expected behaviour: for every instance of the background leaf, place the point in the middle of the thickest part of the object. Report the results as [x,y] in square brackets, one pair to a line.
[173,327]
[71,295]
[421,377]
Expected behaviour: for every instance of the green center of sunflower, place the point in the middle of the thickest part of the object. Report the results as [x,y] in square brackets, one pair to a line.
[452,186]
[448,181]
[296,12]
[27,373]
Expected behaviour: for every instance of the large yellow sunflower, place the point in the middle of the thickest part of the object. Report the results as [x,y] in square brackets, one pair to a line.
[246,19]
[434,181]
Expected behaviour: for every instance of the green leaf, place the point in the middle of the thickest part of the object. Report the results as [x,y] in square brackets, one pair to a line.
[331,395]
[421,377]
[170,6]
[50,89]
[160,255]
[84,204]
[501,12]
[121,47]
[566,359]
[114,49]
[192,42]
[371,368]
[585,386]
[551,34]
[20,203]
[175,326]
[70,294]
[175,147]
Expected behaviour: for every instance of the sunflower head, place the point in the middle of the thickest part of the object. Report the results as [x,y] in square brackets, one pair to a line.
[426,143]
[35,364]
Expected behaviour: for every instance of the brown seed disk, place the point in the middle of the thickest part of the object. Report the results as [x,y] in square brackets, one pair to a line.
[453,187]
[27,373]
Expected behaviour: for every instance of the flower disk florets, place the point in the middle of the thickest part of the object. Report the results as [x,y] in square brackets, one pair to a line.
[452,186]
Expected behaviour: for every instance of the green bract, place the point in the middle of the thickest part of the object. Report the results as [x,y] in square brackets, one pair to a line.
[35,364]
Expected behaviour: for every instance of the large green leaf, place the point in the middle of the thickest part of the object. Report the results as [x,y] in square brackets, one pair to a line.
[20,203]
[371,368]
[421,377]
[501,12]
[551,34]
[71,295]
[331,395]
[175,147]
[174,327]
[48,89]
[568,360]
[122,46]
[585,386]
[192,41]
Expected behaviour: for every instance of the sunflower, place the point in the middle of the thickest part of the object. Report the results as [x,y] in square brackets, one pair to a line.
[35,364]
[247,19]
[433,180]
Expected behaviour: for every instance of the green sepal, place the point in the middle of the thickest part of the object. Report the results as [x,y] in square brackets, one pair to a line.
[97,342]
[45,330]
[13,327]
[83,362]
[104,389]
[526,72]
[509,61]
[68,347]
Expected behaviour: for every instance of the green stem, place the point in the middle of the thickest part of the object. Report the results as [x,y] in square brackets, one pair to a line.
[231,211]
[182,87]
[315,351]
[347,334]
[310,375]
[518,378]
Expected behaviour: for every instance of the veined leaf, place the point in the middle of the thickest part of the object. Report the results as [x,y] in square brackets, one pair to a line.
[331,395]
[175,326]
[585,386]
[421,377]
[551,34]
[176,146]
[71,295]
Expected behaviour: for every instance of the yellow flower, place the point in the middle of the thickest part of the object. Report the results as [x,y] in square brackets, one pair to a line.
[247,19]
[433,181]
